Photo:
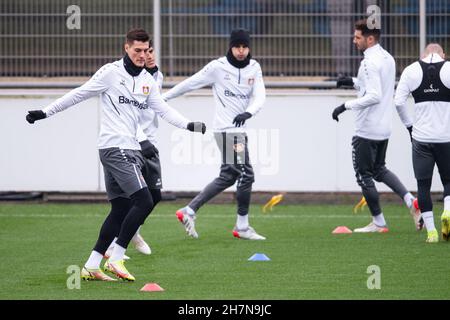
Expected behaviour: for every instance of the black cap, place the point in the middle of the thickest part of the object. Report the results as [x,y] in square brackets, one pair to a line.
[239,36]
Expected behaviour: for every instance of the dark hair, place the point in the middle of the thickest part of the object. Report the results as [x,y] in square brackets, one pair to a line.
[138,34]
[362,26]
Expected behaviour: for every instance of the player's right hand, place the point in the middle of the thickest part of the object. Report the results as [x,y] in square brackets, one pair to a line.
[35,115]
[344,82]
[240,119]
[410,129]
[197,127]
[148,149]
[337,111]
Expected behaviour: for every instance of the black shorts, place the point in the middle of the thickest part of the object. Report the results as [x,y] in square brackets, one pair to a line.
[122,169]
[369,157]
[152,172]
[426,155]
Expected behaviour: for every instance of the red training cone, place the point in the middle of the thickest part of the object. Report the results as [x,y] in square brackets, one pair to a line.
[341,229]
[152,287]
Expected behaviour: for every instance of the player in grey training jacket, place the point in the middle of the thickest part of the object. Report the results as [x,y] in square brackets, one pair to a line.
[239,94]
[373,121]
[127,92]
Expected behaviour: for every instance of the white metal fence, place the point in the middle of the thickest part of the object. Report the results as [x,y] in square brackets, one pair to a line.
[290,37]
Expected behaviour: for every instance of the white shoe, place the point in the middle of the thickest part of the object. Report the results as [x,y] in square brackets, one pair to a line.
[248,234]
[416,215]
[109,252]
[140,244]
[188,222]
[372,227]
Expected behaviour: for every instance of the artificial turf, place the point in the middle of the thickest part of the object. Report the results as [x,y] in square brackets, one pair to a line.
[40,241]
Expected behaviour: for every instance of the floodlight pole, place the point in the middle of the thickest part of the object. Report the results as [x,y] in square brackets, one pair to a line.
[422,25]
[157,30]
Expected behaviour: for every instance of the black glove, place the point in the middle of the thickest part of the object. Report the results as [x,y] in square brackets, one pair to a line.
[344,82]
[35,115]
[337,111]
[197,127]
[240,119]
[148,149]
[410,131]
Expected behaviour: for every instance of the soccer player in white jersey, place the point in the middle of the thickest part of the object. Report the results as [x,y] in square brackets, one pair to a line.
[239,93]
[127,92]
[373,119]
[151,169]
[428,80]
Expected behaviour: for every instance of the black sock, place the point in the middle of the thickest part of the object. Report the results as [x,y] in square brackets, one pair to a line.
[446,184]
[424,195]
[142,205]
[156,196]
[112,223]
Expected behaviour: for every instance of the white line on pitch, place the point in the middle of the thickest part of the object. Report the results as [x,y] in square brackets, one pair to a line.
[200,216]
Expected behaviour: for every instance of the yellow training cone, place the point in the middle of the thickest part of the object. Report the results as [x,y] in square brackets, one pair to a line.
[272,202]
[360,206]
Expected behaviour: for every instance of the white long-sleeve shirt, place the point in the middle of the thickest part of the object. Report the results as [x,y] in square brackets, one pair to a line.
[432,118]
[124,99]
[150,119]
[375,84]
[236,90]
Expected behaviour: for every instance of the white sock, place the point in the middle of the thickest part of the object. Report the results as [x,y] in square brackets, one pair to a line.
[111,246]
[379,220]
[447,203]
[137,232]
[94,260]
[429,220]
[242,222]
[408,198]
[118,253]
[190,211]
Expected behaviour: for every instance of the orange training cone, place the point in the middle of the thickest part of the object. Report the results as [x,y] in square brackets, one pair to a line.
[152,287]
[341,229]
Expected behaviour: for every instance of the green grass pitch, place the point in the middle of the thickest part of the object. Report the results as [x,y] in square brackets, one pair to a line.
[39,242]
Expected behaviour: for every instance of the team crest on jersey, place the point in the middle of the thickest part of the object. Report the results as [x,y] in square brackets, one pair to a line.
[227,77]
[251,81]
[146,89]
